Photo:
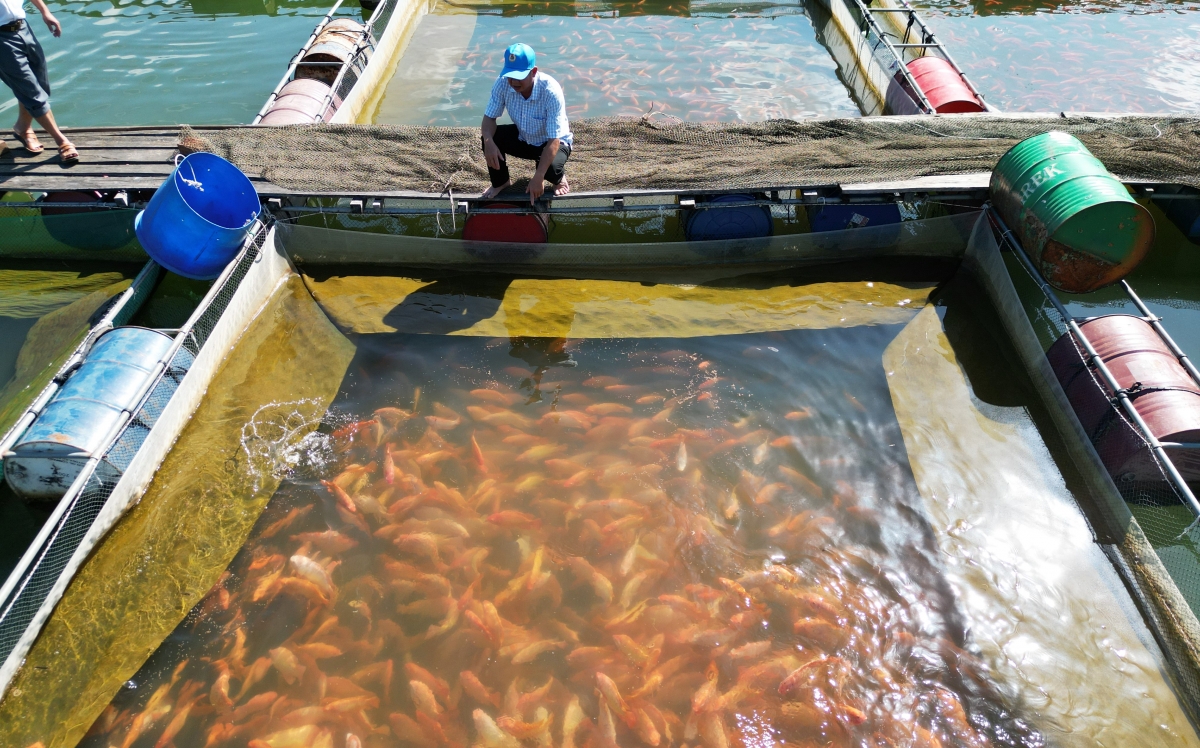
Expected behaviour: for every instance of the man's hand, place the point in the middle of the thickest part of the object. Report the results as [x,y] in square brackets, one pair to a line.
[536,187]
[492,154]
[52,23]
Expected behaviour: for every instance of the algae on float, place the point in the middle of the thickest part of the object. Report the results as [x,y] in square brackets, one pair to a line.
[64,304]
[571,308]
[176,542]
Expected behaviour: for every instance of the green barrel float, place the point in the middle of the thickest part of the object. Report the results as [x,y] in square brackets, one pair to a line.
[1075,219]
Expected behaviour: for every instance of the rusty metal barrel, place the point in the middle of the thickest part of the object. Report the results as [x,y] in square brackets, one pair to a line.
[1161,390]
[337,44]
[1076,220]
[300,102]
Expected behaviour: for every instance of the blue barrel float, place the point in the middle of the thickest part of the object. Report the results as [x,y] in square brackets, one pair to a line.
[76,422]
[199,218]
[739,222]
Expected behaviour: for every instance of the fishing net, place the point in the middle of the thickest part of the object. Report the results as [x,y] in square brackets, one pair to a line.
[57,309]
[1143,525]
[660,153]
[177,540]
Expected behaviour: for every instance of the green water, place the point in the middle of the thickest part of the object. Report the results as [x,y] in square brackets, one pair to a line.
[161,62]
[215,61]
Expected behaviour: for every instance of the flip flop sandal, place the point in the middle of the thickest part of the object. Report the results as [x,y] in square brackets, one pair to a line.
[67,153]
[29,143]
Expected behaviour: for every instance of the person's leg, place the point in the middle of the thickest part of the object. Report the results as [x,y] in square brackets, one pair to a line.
[23,69]
[556,174]
[24,119]
[505,138]
[49,125]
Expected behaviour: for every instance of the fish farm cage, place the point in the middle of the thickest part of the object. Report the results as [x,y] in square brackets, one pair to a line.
[116,474]
[323,73]
[844,222]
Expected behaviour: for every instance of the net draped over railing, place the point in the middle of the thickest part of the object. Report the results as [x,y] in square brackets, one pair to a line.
[19,611]
[661,153]
[1143,526]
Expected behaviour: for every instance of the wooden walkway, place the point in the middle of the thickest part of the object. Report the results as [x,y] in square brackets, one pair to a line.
[110,158]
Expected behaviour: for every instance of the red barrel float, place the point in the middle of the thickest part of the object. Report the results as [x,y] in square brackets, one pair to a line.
[300,102]
[946,90]
[1163,394]
[484,225]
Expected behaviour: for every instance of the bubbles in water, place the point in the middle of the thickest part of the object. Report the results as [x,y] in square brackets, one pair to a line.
[280,441]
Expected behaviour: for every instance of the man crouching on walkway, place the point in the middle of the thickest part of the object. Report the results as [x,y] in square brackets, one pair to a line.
[535,102]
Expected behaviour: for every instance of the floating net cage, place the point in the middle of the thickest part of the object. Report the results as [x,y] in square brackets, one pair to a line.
[1144,522]
[36,586]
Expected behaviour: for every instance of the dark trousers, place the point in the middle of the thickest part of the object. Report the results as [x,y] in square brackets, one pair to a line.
[23,69]
[507,140]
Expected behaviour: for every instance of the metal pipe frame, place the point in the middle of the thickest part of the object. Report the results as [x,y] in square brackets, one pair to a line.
[1156,322]
[366,40]
[10,592]
[18,578]
[1120,394]
[927,33]
[461,208]
[287,76]
[869,20]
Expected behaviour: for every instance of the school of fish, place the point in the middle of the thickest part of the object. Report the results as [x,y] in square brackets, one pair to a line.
[624,63]
[491,569]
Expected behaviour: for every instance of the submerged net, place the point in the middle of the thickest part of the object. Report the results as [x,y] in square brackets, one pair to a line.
[1142,525]
[657,153]
[57,309]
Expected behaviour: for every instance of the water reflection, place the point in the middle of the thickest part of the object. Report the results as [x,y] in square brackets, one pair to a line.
[699,62]
[1087,56]
[161,62]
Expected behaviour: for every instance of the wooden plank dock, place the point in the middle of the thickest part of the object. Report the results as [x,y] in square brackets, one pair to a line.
[110,158]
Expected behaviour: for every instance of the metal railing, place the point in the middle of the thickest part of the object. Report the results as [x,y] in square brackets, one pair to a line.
[28,595]
[366,42]
[1120,395]
[868,25]
[299,56]
[928,41]
[380,16]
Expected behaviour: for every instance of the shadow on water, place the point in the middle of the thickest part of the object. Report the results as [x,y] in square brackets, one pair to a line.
[449,304]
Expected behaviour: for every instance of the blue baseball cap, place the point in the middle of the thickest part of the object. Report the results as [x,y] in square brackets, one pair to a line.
[519,59]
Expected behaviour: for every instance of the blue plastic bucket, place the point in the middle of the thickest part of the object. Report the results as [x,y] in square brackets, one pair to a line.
[199,218]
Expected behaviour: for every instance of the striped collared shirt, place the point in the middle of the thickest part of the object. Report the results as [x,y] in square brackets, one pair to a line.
[540,117]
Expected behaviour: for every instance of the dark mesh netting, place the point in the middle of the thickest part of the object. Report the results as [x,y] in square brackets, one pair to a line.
[1139,518]
[662,153]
